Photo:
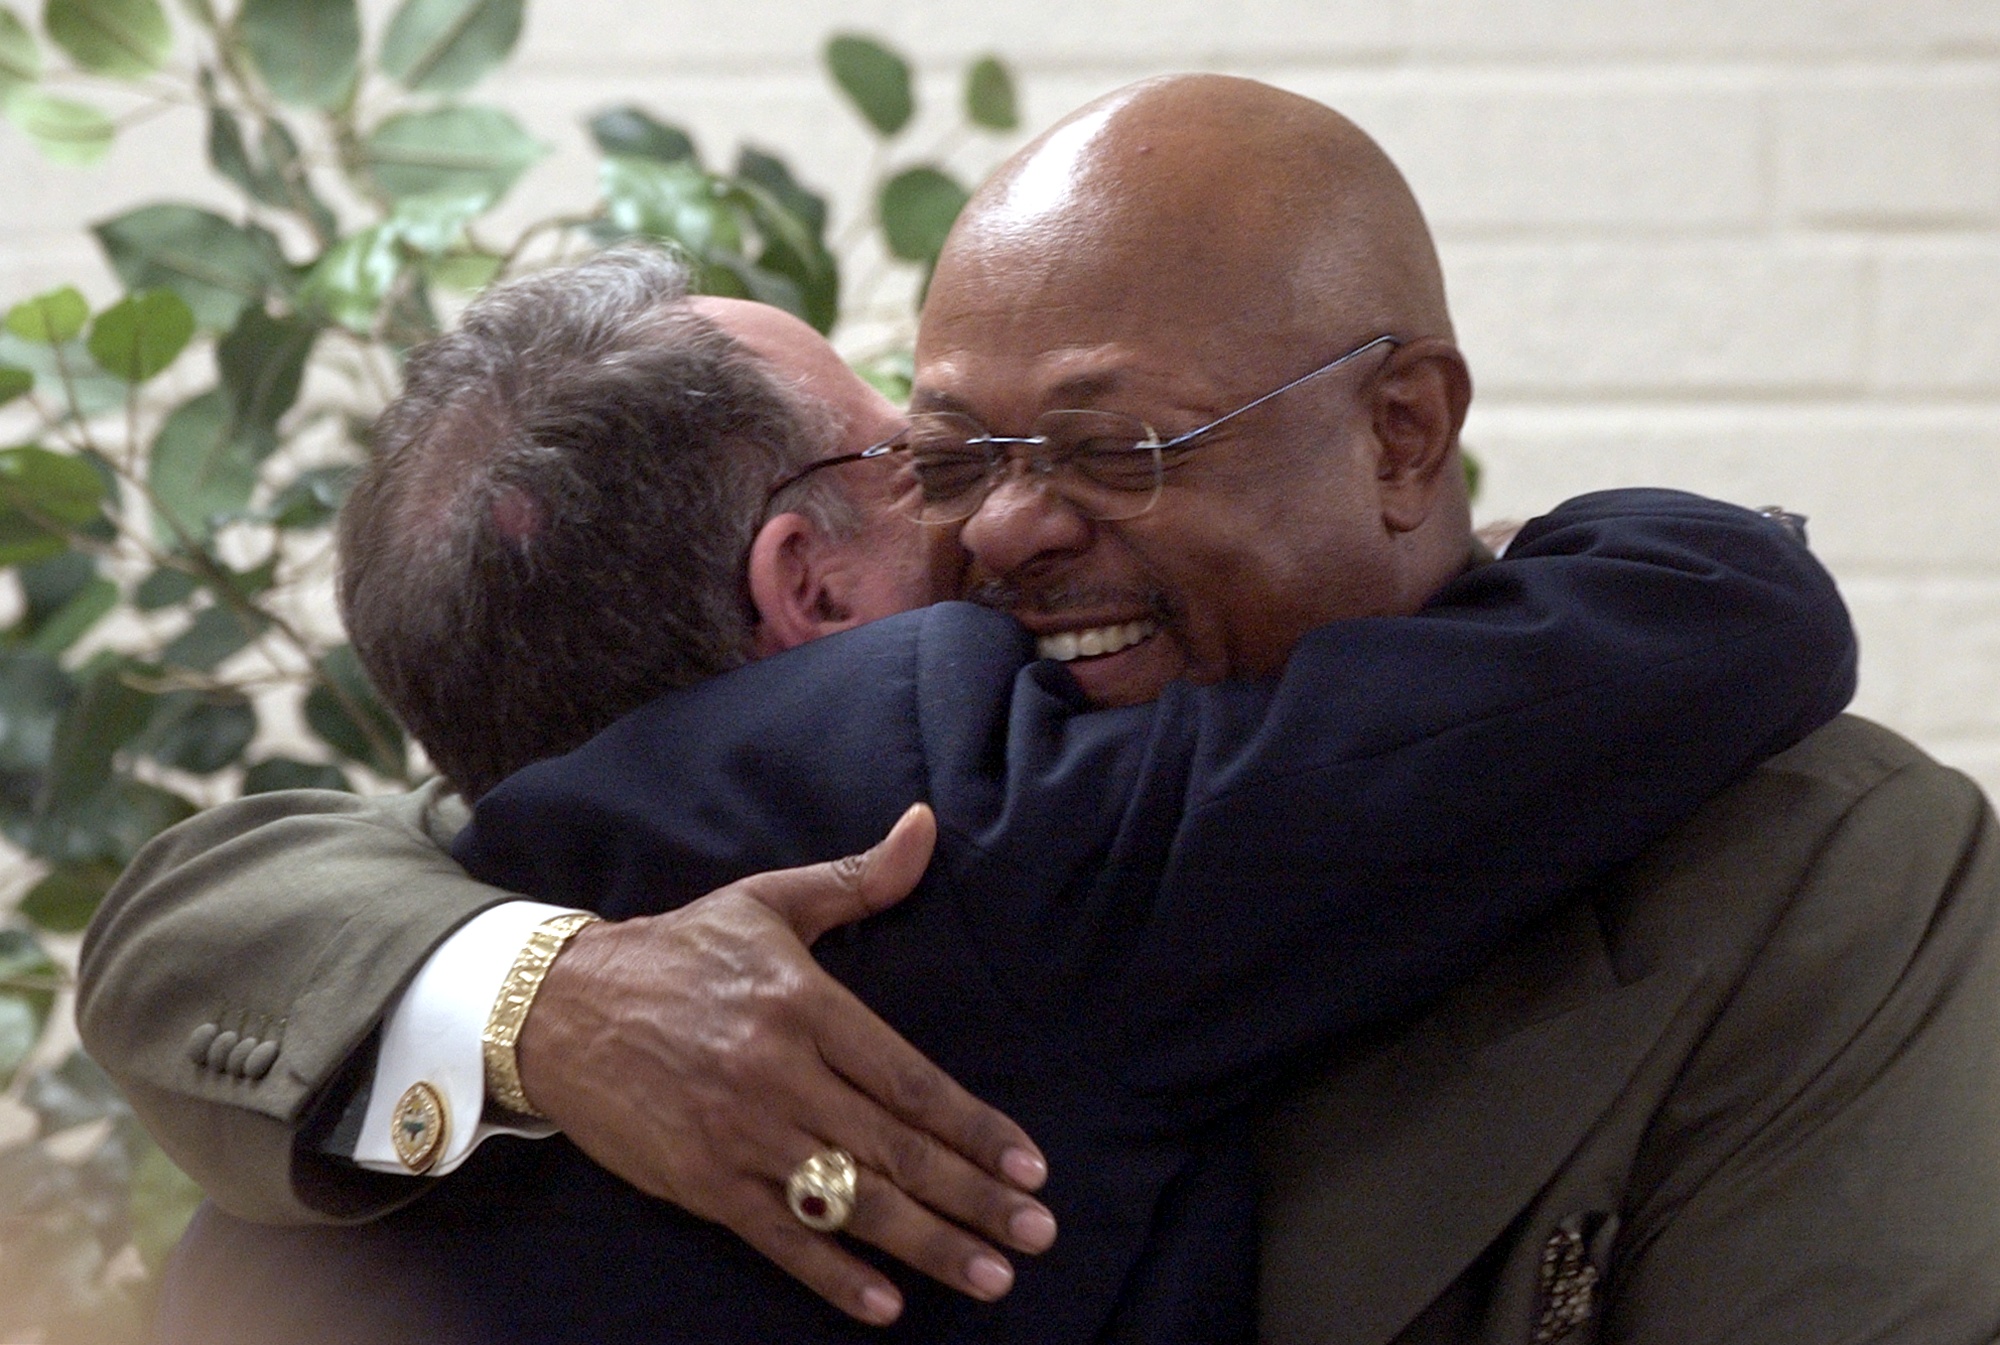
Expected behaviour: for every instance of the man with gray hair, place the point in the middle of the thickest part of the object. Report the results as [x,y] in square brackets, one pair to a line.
[552,525]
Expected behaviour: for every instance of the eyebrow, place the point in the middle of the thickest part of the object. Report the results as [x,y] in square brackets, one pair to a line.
[1070,392]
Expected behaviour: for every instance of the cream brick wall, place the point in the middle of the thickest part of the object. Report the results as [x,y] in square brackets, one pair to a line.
[1747,247]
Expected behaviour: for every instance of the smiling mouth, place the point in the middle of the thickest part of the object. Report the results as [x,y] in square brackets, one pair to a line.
[1069,645]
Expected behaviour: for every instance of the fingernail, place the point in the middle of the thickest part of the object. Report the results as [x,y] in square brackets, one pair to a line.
[881,1305]
[1034,1229]
[989,1275]
[1025,1168]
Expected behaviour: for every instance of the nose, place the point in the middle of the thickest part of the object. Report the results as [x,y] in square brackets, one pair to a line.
[1021,520]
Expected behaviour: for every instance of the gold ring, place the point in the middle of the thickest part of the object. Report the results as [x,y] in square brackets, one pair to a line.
[821,1190]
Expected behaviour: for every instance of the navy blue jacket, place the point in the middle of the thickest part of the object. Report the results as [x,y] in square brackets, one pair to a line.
[1138,917]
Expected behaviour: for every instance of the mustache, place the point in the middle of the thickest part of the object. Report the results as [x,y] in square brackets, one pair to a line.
[1053,599]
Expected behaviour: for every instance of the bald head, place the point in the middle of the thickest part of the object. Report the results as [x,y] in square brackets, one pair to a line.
[1269,213]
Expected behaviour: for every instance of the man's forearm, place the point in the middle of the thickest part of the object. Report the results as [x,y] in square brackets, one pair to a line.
[292,918]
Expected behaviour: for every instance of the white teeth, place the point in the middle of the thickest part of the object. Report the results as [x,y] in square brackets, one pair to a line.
[1066,645]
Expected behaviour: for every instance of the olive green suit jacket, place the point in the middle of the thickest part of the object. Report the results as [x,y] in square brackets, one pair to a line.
[367,882]
[1749,1092]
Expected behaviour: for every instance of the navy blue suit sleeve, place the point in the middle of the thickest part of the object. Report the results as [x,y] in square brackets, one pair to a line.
[1412,791]
[1209,885]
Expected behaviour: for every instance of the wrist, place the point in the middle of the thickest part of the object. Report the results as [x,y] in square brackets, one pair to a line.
[512,1007]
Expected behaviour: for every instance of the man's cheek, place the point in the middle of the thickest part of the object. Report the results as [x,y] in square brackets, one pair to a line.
[945,564]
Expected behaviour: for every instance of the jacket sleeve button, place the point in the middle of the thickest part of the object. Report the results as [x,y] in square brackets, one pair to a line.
[219,1049]
[260,1061]
[240,1055]
[198,1041]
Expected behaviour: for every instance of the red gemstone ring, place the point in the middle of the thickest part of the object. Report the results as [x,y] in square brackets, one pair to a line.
[821,1190]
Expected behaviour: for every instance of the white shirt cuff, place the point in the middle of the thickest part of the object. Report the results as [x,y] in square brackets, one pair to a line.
[432,1036]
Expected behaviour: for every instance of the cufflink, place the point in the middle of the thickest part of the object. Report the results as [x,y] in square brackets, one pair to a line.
[419,1126]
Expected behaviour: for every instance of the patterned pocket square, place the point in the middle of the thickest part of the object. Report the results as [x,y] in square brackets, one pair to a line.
[1572,1268]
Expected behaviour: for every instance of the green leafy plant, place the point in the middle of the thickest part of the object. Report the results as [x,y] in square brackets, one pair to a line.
[173,460]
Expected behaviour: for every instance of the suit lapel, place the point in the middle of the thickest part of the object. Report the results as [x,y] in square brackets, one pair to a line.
[1387,1176]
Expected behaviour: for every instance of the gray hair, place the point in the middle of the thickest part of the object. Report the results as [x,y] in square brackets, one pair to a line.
[553,524]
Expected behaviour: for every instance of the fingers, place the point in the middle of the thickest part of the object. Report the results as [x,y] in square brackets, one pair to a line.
[819,897]
[818,1261]
[887,1217]
[869,1054]
[924,1174]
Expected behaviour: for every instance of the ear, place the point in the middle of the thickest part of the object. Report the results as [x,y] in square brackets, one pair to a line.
[1419,402]
[798,583]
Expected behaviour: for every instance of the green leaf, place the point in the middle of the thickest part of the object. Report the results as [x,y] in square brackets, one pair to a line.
[163,1200]
[443,46]
[350,282]
[989,96]
[286,171]
[63,902]
[141,334]
[70,622]
[634,133]
[28,978]
[218,267]
[465,272]
[74,1092]
[14,383]
[277,178]
[435,222]
[106,714]
[229,155]
[34,691]
[20,58]
[109,826]
[127,39]
[794,267]
[874,78]
[245,583]
[311,499]
[200,733]
[457,151]
[274,773]
[307,50]
[775,176]
[204,466]
[673,201]
[20,1029]
[40,493]
[49,319]
[263,362]
[736,278]
[216,633]
[131,813]
[67,132]
[917,207]
[892,374]
[65,374]
[163,588]
[342,729]
[48,585]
